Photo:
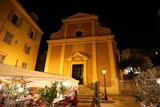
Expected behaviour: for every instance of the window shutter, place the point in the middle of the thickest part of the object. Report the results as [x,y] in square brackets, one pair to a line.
[11,14]
[35,36]
[10,38]
[24,49]
[20,21]
[29,31]
[29,50]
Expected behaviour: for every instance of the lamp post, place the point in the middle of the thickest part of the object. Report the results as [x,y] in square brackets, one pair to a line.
[105,93]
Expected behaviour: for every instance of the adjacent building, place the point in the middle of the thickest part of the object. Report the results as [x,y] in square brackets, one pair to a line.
[20,36]
[82,49]
[127,53]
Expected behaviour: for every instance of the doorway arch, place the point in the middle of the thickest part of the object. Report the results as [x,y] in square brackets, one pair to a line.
[78,59]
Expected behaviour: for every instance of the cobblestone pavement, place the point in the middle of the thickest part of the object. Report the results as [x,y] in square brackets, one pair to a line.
[119,101]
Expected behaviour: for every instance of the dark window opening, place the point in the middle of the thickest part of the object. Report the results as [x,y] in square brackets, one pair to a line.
[14,19]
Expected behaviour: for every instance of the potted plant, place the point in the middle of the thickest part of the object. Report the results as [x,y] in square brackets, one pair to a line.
[48,94]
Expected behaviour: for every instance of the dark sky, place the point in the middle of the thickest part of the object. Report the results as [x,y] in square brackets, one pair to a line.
[135,23]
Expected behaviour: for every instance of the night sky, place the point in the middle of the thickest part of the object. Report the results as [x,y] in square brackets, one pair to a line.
[135,23]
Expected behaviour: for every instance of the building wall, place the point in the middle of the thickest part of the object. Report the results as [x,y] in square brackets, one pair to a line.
[14,51]
[68,49]
[84,27]
[103,62]
[93,48]
[55,59]
[89,69]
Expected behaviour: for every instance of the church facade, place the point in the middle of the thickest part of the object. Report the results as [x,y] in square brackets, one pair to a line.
[81,49]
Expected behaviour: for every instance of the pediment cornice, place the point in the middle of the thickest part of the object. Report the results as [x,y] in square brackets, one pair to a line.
[80,17]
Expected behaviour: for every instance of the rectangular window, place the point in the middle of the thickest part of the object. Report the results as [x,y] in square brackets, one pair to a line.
[27,49]
[24,65]
[15,18]
[32,34]
[2,58]
[8,38]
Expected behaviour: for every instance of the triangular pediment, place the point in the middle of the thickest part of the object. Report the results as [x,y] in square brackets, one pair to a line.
[78,15]
[77,56]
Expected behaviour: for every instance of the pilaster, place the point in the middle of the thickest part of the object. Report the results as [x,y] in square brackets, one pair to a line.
[94,79]
[48,58]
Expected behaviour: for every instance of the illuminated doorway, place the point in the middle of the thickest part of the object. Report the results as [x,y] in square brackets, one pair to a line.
[77,72]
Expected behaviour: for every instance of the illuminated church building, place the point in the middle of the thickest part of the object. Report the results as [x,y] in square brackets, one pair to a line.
[81,49]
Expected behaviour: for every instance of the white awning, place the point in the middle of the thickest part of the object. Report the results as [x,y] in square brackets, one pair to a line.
[36,77]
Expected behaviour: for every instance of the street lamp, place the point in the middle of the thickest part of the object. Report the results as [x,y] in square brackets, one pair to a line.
[105,94]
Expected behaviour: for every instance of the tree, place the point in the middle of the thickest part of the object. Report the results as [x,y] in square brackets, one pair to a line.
[148,88]
[136,61]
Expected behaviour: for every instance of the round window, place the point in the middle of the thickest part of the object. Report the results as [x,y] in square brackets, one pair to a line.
[79,33]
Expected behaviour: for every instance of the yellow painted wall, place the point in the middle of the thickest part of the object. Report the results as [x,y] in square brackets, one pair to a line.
[14,51]
[103,62]
[55,59]
[84,27]
[88,48]
[68,50]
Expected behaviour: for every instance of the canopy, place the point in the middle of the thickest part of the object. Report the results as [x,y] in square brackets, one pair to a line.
[37,78]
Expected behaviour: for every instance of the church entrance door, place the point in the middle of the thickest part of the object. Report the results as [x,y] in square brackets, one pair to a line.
[77,72]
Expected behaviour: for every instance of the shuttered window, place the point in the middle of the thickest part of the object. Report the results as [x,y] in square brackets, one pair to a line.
[32,34]
[8,38]
[15,18]
[24,65]
[2,58]
[27,49]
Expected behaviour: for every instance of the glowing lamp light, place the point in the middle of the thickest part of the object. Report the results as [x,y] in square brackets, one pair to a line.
[20,89]
[105,93]
[61,96]
[156,53]
[104,71]
[125,71]
[158,81]
[18,85]
[0,86]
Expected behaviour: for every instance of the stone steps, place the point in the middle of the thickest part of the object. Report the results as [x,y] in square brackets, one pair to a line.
[85,95]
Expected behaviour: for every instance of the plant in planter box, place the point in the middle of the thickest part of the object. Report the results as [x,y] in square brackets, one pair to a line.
[61,88]
[48,93]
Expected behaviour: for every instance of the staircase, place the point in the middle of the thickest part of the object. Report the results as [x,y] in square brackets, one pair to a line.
[85,95]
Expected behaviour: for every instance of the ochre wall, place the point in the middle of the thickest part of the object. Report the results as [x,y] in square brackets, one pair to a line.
[14,53]
[68,50]
[55,59]
[101,31]
[85,27]
[103,62]
[89,70]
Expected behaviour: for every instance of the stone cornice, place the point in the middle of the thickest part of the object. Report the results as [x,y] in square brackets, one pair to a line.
[82,40]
